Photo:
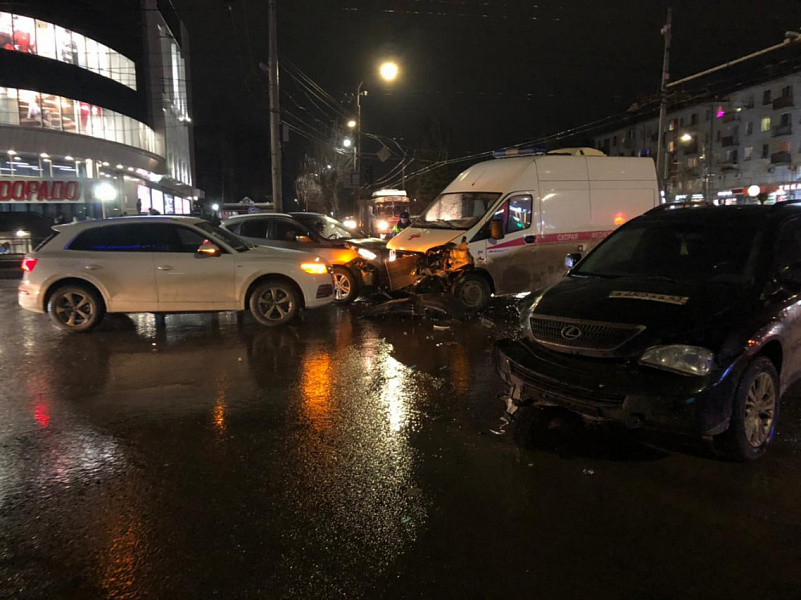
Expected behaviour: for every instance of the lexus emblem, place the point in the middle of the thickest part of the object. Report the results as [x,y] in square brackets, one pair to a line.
[571,332]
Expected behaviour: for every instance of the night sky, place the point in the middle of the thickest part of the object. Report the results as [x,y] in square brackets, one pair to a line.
[491,73]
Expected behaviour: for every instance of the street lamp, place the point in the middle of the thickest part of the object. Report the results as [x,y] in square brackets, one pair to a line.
[351,123]
[105,192]
[389,70]
[347,142]
[686,138]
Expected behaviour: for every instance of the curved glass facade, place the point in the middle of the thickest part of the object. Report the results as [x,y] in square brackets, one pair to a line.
[32,36]
[27,108]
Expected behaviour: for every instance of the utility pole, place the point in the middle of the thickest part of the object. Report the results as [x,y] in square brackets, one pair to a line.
[660,152]
[357,144]
[275,112]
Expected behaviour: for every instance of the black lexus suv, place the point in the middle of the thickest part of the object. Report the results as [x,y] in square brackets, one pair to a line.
[685,319]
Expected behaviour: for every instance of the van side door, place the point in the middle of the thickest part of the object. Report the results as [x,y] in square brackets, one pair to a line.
[509,259]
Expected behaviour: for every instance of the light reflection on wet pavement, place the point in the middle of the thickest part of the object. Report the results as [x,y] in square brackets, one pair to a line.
[348,457]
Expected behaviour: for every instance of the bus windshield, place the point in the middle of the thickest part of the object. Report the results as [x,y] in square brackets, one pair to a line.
[460,210]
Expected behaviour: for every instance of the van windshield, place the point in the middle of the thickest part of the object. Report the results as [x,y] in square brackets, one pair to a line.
[460,210]
[724,252]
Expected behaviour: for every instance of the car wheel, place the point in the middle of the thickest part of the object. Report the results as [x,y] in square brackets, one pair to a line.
[75,308]
[472,291]
[755,410]
[274,303]
[346,288]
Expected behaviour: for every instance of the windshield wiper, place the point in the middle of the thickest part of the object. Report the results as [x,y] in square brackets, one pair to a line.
[659,278]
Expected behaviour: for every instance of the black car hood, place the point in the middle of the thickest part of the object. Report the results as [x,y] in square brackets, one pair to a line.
[699,313]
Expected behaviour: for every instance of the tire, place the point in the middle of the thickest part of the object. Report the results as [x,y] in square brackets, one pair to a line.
[755,411]
[76,308]
[472,291]
[346,286]
[274,303]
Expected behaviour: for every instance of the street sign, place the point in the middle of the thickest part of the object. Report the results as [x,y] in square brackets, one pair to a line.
[353,180]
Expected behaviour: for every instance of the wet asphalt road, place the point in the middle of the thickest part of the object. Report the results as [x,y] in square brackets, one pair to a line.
[351,458]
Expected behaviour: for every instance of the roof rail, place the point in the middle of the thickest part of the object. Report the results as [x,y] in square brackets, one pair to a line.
[675,205]
[785,203]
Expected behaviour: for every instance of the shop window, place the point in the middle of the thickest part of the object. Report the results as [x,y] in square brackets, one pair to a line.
[69,115]
[76,50]
[143,196]
[157,200]
[6,31]
[103,61]
[92,58]
[30,108]
[45,39]
[169,204]
[51,111]
[24,34]
[97,121]
[109,125]
[764,124]
[9,109]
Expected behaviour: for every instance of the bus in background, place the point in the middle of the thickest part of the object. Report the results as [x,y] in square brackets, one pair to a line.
[385,208]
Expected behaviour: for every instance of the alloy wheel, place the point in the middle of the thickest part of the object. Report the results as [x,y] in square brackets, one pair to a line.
[275,304]
[342,287]
[75,309]
[471,294]
[760,409]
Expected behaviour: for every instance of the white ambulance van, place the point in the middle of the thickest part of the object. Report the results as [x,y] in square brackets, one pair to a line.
[519,216]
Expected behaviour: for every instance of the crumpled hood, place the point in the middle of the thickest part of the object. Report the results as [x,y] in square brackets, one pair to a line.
[415,239]
[370,243]
[694,313]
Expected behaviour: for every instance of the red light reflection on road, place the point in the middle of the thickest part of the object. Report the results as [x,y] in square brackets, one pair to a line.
[41,414]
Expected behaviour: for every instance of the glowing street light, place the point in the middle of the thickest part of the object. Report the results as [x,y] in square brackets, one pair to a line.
[215,207]
[389,70]
[351,123]
[105,192]
[347,142]
[686,138]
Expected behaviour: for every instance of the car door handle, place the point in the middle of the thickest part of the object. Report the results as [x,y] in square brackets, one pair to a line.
[530,239]
[164,268]
[92,267]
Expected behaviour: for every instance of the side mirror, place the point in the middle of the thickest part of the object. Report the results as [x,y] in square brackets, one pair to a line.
[571,260]
[496,229]
[304,239]
[207,249]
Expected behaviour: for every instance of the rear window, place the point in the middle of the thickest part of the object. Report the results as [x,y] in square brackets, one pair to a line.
[45,241]
[131,237]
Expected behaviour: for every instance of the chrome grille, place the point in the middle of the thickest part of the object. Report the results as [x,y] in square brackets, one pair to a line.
[583,336]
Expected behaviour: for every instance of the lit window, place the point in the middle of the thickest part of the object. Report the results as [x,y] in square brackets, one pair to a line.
[764,124]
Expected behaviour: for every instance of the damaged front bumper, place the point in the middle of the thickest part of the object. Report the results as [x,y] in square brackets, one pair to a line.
[617,391]
[435,270]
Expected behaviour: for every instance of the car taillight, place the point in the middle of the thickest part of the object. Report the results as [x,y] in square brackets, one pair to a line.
[28,264]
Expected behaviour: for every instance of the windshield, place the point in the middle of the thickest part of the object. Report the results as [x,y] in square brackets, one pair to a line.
[222,236]
[459,210]
[679,251]
[329,228]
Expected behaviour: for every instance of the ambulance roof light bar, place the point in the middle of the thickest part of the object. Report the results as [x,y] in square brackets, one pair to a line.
[517,152]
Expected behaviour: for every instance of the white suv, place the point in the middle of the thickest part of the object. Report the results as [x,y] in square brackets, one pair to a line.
[166,265]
